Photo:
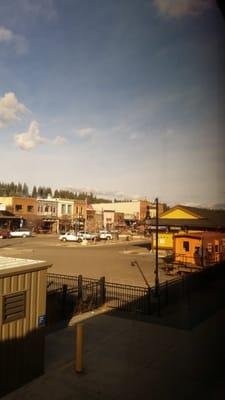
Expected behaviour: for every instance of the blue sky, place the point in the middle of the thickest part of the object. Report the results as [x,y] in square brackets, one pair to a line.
[124,97]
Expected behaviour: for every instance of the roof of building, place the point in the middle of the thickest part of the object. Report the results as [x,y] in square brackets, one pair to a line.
[206,218]
[201,235]
[10,265]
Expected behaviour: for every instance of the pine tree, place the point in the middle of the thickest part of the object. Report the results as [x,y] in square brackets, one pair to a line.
[25,190]
[40,191]
[19,189]
[34,192]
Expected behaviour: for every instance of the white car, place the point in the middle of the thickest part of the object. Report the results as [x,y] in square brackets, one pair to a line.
[105,235]
[70,237]
[87,235]
[21,233]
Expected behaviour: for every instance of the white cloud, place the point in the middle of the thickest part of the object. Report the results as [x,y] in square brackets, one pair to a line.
[59,140]
[178,8]
[86,132]
[5,35]
[133,136]
[10,109]
[30,139]
[19,42]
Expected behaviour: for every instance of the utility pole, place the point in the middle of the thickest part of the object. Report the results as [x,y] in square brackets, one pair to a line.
[85,222]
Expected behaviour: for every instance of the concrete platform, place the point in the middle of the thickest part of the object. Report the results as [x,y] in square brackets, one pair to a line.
[125,358]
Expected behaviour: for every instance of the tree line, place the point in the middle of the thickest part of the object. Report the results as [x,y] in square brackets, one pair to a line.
[22,190]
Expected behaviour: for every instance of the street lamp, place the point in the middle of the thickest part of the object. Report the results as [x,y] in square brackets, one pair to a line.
[134,263]
[157,248]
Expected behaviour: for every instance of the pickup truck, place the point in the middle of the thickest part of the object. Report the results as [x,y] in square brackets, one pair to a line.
[70,237]
[87,235]
[21,233]
[105,235]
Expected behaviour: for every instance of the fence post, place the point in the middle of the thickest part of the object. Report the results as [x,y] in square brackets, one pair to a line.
[159,303]
[149,302]
[167,293]
[64,295]
[102,290]
[80,287]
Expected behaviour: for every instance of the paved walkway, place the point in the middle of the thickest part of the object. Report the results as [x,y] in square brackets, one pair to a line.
[125,358]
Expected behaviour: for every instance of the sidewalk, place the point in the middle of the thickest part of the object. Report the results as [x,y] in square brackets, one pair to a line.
[126,358]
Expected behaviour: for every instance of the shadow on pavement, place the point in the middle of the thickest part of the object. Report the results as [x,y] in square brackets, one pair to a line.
[143,245]
[188,313]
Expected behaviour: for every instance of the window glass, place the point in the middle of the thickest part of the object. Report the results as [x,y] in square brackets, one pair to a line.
[209,247]
[186,246]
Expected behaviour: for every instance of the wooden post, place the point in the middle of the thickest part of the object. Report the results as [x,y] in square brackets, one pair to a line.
[79,348]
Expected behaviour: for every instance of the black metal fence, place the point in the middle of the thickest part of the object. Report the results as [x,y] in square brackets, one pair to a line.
[182,286]
[128,298]
[193,262]
[69,295]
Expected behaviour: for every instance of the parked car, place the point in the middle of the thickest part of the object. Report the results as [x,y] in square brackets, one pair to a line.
[105,235]
[4,234]
[87,235]
[70,237]
[22,232]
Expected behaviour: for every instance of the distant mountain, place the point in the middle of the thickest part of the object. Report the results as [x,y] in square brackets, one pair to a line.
[211,205]
[218,206]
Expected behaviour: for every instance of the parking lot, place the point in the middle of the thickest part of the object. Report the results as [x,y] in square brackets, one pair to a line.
[111,259]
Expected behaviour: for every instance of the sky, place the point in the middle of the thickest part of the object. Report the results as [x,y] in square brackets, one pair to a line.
[120,97]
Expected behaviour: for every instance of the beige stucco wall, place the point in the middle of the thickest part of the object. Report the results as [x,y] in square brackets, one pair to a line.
[69,205]
[131,209]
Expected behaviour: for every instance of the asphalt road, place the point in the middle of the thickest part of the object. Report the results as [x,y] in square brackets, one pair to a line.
[109,259]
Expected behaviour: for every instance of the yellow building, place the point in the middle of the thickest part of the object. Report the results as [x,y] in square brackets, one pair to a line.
[199,249]
[184,219]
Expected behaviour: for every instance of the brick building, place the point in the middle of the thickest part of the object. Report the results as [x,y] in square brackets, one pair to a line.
[24,208]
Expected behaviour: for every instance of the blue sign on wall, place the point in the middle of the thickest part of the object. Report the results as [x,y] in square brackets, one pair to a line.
[42,320]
